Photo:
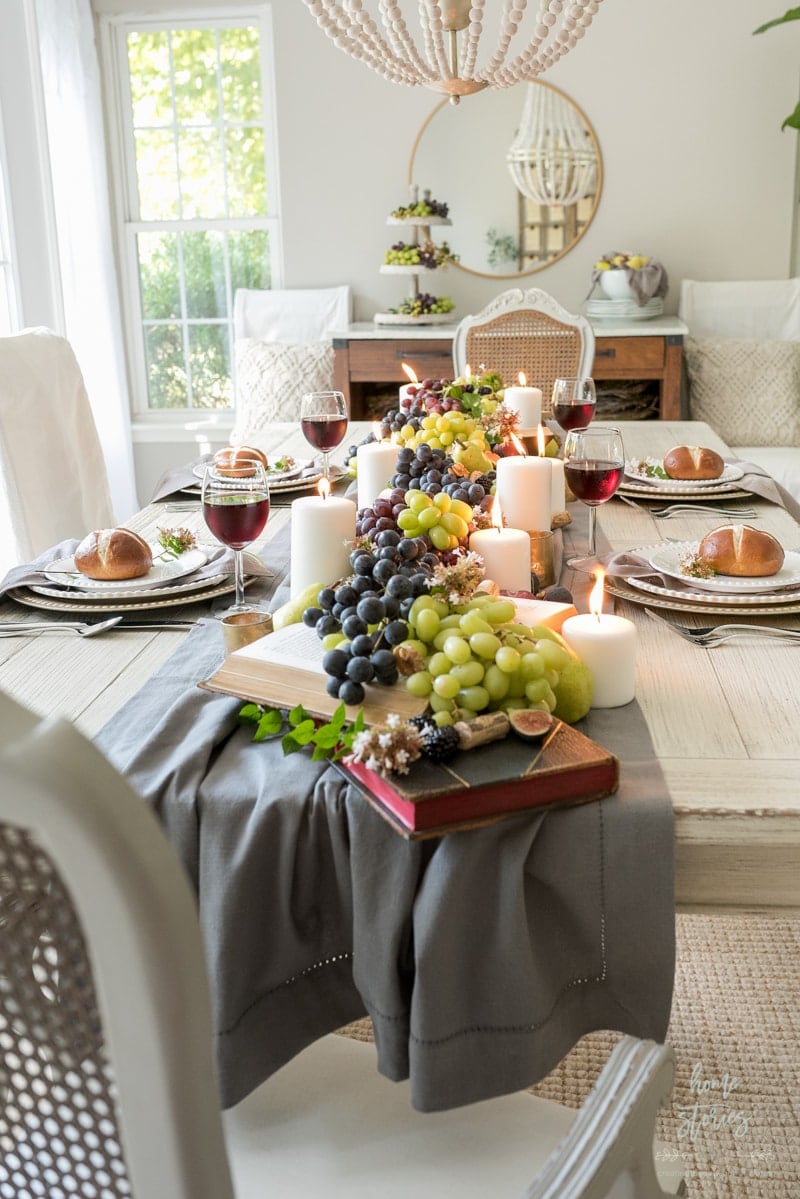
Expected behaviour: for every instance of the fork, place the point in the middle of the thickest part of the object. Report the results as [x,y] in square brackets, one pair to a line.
[22,628]
[713,635]
[675,509]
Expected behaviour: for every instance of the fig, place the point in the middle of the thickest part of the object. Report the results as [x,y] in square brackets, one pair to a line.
[531,723]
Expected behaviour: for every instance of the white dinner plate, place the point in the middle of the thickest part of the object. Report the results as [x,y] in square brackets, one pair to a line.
[666,559]
[185,588]
[790,596]
[273,476]
[93,604]
[162,572]
[729,475]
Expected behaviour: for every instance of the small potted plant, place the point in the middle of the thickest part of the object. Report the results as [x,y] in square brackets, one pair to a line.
[630,277]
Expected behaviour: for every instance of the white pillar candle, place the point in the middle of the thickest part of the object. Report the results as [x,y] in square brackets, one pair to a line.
[322,529]
[524,491]
[607,644]
[526,402]
[558,491]
[375,465]
[506,553]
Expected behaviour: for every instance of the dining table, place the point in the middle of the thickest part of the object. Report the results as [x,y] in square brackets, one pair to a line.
[713,732]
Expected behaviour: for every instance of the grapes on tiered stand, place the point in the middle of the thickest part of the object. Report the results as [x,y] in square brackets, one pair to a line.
[413,257]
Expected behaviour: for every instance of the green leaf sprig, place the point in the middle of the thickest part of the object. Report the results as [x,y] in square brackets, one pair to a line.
[175,542]
[330,741]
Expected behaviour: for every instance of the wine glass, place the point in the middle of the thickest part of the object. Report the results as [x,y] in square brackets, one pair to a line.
[323,420]
[236,507]
[594,460]
[574,402]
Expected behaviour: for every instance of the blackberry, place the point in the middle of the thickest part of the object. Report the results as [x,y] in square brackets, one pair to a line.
[423,722]
[441,743]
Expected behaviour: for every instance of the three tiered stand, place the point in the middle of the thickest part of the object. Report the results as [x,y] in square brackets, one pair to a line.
[420,238]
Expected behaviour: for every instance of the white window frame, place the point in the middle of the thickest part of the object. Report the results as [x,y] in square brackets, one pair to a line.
[10,319]
[113,48]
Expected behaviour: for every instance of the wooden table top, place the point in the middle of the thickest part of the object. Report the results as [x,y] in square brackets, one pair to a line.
[725,722]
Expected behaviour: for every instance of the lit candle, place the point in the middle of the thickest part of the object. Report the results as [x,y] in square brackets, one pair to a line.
[526,402]
[323,525]
[375,465]
[558,494]
[607,644]
[408,390]
[506,553]
[523,488]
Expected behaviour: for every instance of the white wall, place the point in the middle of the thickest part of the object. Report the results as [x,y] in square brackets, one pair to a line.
[687,106]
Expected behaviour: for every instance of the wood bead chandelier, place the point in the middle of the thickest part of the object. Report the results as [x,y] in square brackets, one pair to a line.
[451,32]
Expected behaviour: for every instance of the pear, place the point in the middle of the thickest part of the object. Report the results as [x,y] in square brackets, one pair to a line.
[292,611]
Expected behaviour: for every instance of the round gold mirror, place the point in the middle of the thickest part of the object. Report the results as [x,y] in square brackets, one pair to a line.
[521,172]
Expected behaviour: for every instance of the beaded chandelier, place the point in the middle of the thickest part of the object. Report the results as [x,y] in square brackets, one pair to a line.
[451,32]
[552,159]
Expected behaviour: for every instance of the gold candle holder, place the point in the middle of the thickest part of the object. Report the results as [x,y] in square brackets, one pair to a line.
[546,555]
[242,628]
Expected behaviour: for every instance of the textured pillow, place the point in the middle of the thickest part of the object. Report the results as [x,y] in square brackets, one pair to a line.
[271,379]
[748,391]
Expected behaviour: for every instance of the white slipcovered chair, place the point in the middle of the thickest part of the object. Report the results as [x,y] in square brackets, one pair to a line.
[53,478]
[528,331]
[743,367]
[105,1017]
[283,349]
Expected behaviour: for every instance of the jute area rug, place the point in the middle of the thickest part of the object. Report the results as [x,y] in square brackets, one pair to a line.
[734,1116]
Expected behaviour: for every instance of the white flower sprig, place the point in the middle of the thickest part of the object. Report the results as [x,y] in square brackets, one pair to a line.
[460,580]
[388,748]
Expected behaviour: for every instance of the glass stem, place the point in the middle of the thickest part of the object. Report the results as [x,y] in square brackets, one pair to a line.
[239,577]
[592,530]
[325,464]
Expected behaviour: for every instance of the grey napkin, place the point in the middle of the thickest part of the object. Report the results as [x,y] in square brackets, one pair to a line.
[759,482]
[176,479]
[218,562]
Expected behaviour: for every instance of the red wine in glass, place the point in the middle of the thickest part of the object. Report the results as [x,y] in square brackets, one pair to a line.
[323,420]
[574,402]
[594,461]
[236,510]
[573,416]
[594,482]
[235,519]
[324,432]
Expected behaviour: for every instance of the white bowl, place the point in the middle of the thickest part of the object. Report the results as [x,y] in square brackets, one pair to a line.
[616,286]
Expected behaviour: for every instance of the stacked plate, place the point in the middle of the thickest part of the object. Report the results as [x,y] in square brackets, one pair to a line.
[671,587]
[302,475]
[637,482]
[168,583]
[624,310]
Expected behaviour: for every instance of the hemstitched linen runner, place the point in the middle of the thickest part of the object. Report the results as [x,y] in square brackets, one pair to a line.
[482,957]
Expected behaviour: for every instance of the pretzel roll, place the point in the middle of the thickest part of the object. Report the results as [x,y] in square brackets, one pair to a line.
[113,554]
[232,460]
[741,551]
[693,462]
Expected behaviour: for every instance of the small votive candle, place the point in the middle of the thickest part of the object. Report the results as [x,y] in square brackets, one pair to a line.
[506,553]
[607,644]
[322,527]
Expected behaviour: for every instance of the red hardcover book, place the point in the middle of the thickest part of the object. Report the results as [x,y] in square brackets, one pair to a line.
[482,785]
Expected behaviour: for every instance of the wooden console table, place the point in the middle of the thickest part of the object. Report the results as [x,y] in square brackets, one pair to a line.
[366,354]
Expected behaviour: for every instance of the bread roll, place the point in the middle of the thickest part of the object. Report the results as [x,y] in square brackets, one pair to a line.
[232,460]
[113,554]
[741,551]
[693,462]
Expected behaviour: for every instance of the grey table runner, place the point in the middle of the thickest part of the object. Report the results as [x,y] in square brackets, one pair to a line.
[482,957]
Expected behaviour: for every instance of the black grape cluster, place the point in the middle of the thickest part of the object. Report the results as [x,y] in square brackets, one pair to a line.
[369,610]
[429,470]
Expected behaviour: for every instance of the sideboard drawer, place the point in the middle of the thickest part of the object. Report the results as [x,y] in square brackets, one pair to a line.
[382,361]
[634,354]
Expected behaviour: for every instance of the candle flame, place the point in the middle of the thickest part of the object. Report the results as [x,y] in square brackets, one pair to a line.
[518,445]
[523,379]
[497,515]
[596,594]
[324,488]
[412,376]
[376,430]
[540,441]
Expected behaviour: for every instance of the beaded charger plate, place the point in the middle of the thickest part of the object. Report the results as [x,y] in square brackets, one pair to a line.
[728,491]
[791,595]
[23,595]
[622,589]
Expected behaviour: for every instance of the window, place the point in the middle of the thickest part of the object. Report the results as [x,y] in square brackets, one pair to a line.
[197,195]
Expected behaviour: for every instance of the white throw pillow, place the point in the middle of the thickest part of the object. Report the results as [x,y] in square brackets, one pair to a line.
[271,379]
[748,391]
